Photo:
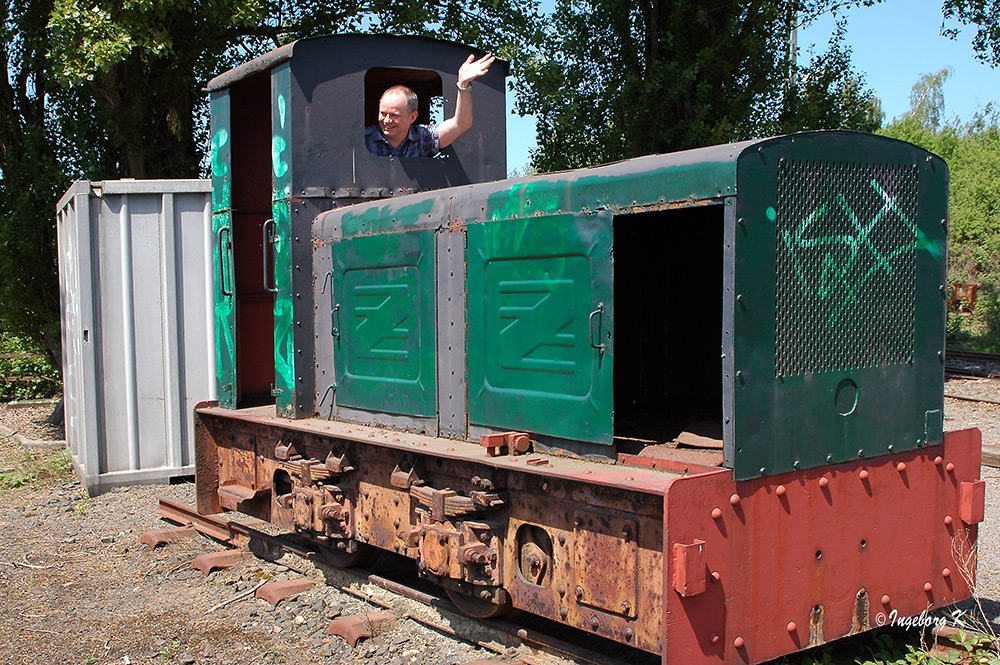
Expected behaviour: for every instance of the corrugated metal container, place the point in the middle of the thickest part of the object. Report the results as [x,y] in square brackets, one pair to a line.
[137,326]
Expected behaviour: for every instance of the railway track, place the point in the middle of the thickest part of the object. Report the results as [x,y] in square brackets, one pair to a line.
[536,633]
[972,364]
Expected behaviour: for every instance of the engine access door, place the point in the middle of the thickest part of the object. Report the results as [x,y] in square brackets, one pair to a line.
[540,326]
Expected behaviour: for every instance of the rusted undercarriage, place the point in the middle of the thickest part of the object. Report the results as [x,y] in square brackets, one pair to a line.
[679,560]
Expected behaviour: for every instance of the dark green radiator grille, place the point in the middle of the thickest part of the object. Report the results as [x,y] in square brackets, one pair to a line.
[846,266]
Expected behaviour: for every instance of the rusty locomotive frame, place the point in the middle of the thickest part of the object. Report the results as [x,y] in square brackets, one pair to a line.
[691,403]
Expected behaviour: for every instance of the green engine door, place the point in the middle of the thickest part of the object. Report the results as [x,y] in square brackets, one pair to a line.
[540,319]
[383,321]
[222,252]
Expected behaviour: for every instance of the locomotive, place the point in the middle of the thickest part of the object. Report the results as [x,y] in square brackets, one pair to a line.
[527,385]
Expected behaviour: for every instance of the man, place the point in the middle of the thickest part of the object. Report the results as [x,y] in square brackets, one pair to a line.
[395,135]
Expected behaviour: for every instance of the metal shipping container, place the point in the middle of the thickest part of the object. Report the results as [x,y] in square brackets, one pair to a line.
[138,338]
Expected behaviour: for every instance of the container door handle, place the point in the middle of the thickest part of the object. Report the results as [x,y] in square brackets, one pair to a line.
[224,259]
[599,312]
[269,236]
[335,322]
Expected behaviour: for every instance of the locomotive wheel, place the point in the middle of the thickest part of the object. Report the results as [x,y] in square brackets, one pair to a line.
[363,556]
[477,608]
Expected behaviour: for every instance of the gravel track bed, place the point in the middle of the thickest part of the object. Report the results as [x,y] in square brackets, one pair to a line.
[77,587]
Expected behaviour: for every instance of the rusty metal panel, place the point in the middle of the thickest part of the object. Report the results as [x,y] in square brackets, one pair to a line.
[797,537]
[606,561]
[137,309]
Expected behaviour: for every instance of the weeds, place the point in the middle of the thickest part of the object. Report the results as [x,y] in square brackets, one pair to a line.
[30,467]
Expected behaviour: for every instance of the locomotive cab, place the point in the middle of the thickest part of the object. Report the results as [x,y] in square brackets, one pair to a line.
[288,142]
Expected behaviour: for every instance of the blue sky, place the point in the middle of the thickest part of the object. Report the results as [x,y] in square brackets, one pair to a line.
[892,44]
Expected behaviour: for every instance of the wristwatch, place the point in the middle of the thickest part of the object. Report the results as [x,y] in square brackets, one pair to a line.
[466,88]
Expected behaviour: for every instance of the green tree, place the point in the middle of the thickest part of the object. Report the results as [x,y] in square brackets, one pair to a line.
[146,61]
[829,94]
[985,15]
[106,89]
[32,177]
[621,78]
[972,152]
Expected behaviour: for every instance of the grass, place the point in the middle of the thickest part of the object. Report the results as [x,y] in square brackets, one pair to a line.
[24,467]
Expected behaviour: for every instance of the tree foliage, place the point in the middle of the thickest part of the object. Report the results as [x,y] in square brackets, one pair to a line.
[32,178]
[105,89]
[828,94]
[985,15]
[621,78]
[972,152]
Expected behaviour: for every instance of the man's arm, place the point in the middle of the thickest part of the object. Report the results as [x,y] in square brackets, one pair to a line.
[456,125]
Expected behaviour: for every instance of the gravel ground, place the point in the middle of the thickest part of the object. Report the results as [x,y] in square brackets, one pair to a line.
[76,587]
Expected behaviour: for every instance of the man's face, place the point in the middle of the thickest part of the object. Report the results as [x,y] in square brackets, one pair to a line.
[393,117]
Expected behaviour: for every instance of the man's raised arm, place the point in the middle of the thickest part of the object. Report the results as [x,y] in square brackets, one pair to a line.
[455,126]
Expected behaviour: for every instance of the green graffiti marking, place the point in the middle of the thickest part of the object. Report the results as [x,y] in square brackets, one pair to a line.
[838,276]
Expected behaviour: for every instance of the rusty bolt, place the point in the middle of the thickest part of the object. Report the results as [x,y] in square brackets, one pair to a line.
[395,499]
[628,634]
[365,492]
[595,622]
[739,642]
[485,595]
[716,513]
[563,612]
[734,500]
[946,572]
[901,467]
[948,520]
[442,539]
[780,490]
[341,545]
[626,607]
[791,627]
[938,460]
[928,587]
[562,538]
[484,536]
[885,599]
[534,560]
[562,589]
[714,638]
[823,482]
[579,591]
[395,522]
[863,474]
[949,467]
[395,546]
[716,576]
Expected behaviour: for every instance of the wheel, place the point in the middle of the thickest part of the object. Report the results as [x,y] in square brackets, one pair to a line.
[363,555]
[477,608]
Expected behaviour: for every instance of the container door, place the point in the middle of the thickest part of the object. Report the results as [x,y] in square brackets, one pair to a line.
[540,326]
[383,321]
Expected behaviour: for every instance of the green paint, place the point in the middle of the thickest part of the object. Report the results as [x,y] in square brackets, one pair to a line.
[840,320]
[384,300]
[533,285]
[384,218]
[222,252]
[225,312]
[281,212]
